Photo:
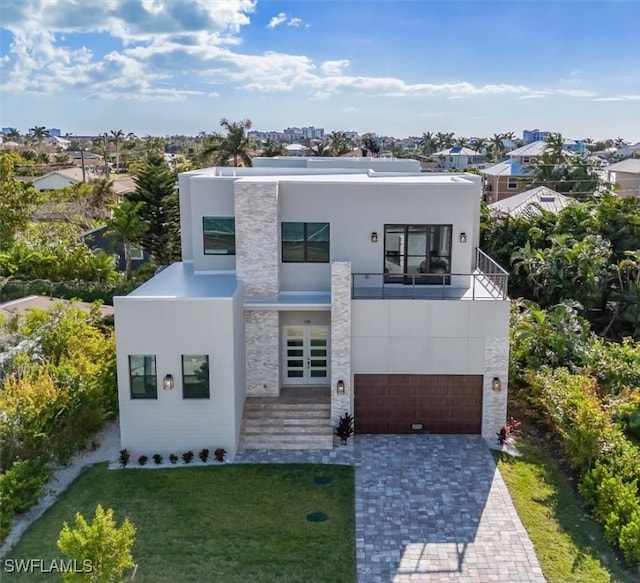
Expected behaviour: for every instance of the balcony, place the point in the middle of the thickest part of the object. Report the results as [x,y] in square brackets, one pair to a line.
[487,282]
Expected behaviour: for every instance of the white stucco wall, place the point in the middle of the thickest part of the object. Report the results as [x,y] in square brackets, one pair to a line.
[169,328]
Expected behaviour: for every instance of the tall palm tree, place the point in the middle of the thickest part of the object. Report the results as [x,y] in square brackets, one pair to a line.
[101,196]
[555,147]
[39,133]
[12,134]
[339,143]
[116,138]
[321,149]
[273,148]
[461,141]
[126,227]
[497,146]
[478,144]
[620,143]
[444,140]
[235,145]
[427,143]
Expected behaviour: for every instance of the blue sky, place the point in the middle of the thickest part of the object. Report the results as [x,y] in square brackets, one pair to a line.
[398,67]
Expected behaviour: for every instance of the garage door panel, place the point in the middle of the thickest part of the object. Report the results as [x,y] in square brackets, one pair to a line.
[390,403]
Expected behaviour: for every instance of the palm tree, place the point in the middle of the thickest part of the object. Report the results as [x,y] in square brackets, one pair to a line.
[555,147]
[235,145]
[320,149]
[339,144]
[101,196]
[12,134]
[370,144]
[126,227]
[116,138]
[427,143]
[497,146]
[273,148]
[478,144]
[461,141]
[444,140]
[619,143]
[39,133]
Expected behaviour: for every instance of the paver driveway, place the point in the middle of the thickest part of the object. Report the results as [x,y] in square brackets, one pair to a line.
[435,508]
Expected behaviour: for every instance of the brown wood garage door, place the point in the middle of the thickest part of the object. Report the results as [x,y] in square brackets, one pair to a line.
[391,403]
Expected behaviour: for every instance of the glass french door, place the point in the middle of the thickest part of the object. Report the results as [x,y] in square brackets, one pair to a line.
[306,355]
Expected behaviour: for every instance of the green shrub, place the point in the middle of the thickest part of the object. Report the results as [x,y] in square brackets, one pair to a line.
[22,484]
[568,404]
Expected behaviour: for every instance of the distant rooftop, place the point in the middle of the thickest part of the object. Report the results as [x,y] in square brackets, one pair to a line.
[530,201]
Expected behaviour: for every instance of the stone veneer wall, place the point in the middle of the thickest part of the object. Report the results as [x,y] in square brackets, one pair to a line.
[257,252]
[494,403]
[341,339]
[262,353]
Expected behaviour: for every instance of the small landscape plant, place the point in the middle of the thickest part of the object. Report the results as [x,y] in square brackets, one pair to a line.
[344,429]
[100,549]
[219,454]
[509,429]
[123,458]
[157,458]
[204,455]
[173,458]
[142,460]
[187,456]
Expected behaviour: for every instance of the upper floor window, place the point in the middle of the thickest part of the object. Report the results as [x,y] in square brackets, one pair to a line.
[195,376]
[512,183]
[219,235]
[417,250]
[142,376]
[305,242]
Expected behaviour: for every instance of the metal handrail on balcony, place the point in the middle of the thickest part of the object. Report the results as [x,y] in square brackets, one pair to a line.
[488,281]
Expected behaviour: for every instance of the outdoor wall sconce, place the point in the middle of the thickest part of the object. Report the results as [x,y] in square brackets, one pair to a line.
[463,237]
[496,385]
[167,383]
[374,237]
[340,387]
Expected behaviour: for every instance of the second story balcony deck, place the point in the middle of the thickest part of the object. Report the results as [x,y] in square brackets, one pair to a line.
[488,281]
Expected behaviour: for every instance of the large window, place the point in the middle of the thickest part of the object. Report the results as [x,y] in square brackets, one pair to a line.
[142,376]
[420,250]
[305,242]
[219,235]
[195,376]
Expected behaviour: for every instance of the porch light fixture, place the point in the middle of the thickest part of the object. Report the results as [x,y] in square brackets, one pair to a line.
[463,237]
[496,385]
[340,387]
[374,237]
[167,383]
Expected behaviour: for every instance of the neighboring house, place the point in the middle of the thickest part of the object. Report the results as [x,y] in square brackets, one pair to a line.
[98,239]
[530,136]
[58,142]
[531,201]
[296,149]
[513,175]
[458,158]
[626,175]
[628,151]
[342,288]
[61,178]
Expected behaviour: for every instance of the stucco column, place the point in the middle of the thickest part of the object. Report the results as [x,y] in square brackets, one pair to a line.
[341,339]
[494,403]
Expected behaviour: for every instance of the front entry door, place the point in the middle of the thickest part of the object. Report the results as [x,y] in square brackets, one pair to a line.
[306,355]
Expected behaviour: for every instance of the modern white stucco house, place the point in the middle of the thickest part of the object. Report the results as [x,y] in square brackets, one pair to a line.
[364,287]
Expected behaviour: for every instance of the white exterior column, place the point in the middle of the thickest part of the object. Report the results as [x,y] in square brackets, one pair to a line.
[494,403]
[341,339]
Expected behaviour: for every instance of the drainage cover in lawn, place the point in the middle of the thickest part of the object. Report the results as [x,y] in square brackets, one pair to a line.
[322,480]
[317,517]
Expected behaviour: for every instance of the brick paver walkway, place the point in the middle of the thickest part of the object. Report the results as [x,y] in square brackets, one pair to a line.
[429,508]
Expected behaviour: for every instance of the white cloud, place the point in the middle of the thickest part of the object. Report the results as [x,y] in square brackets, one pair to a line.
[284,18]
[277,20]
[619,98]
[334,67]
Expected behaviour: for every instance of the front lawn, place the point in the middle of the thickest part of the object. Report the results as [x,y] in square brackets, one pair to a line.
[229,523]
[570,546]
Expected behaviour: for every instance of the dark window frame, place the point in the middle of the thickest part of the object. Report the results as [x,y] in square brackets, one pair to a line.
[186,384]
[305,242]
[227,251]
[422,278]
[154,376]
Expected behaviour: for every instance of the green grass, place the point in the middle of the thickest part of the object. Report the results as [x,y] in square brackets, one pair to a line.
[570,546]
[243,523]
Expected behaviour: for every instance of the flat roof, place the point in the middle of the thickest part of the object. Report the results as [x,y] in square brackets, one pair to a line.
[370,178]
[179,281]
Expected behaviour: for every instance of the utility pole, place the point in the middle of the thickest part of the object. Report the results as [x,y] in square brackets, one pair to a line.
[84,172]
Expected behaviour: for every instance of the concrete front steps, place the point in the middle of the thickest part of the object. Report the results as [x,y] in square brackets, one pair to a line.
[269,423]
